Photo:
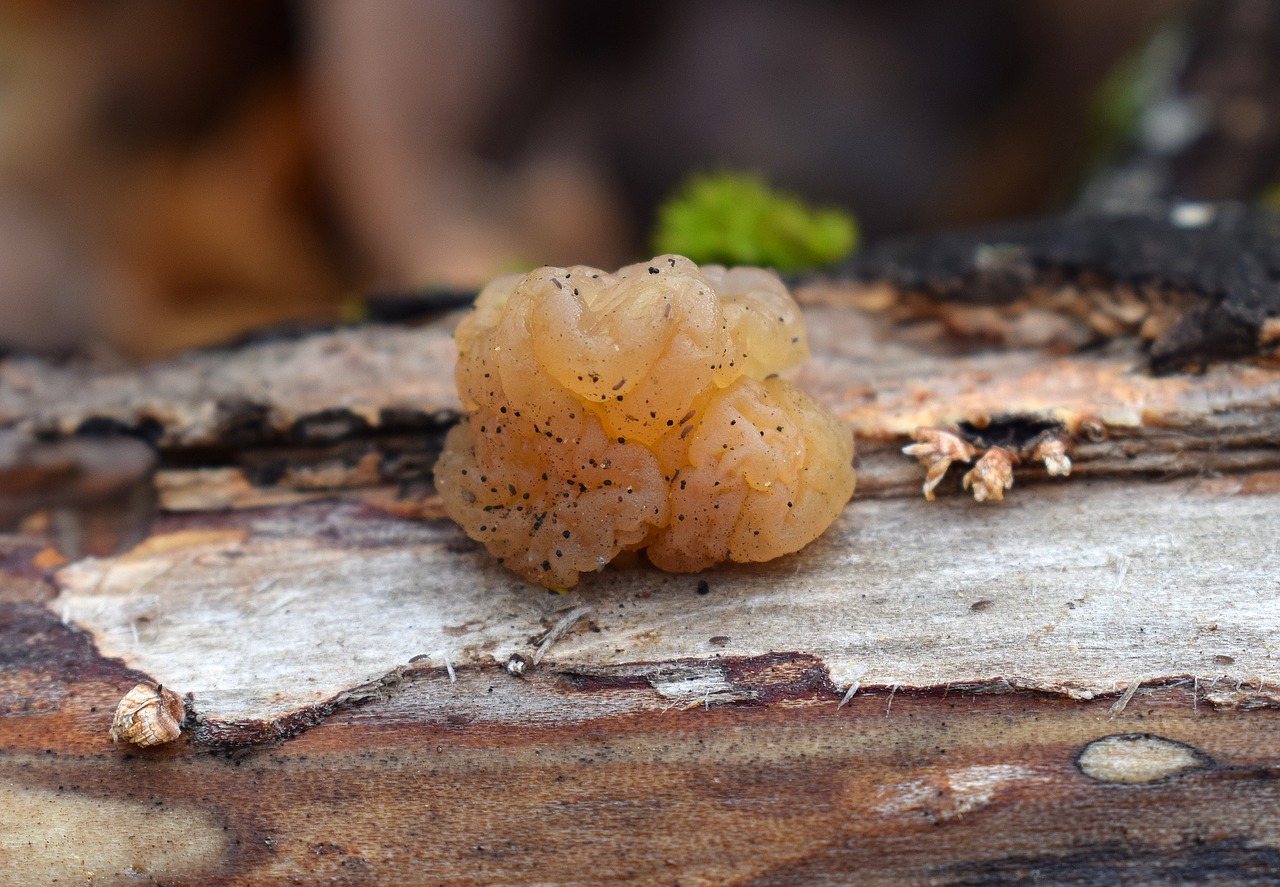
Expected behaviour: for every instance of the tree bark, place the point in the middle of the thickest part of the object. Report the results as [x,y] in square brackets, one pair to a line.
[1076,685]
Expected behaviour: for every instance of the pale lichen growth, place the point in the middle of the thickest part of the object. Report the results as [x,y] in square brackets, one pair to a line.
[937,448]
[991,476]
[611,412]
[1052,451]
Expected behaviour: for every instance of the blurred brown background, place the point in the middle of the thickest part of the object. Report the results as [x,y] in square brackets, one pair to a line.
[172,173]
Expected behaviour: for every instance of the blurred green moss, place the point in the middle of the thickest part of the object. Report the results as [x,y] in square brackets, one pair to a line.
[1117,106]
[1269,199]
[737,219]
[1135,84]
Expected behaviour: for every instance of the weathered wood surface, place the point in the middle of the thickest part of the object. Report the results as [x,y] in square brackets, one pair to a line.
[352,719]
[356,407]
[492,780]
[1080,588]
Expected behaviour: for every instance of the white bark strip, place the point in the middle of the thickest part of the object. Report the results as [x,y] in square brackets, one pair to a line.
[1082,584]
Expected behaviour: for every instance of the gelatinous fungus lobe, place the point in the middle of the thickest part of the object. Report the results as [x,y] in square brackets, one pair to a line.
[641,409]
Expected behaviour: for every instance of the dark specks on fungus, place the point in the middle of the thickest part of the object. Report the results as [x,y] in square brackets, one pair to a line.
[692,477]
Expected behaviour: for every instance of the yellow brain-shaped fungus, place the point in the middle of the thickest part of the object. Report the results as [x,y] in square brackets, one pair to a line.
[639,410]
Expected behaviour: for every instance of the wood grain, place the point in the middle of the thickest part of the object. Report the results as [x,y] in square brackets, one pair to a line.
[429,786]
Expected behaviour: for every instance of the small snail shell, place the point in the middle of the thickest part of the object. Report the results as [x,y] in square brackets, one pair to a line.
[149,714]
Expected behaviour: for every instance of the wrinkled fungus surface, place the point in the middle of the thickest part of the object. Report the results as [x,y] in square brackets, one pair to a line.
[611,412]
